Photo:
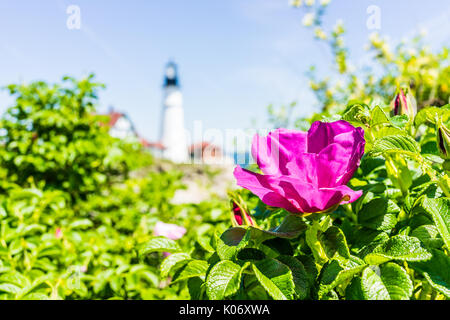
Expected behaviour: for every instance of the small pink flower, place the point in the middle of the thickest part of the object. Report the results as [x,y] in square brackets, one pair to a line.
[305,172]
[58,233]
[171,231]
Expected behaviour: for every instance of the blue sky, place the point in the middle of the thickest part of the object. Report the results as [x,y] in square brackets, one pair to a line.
[235,57]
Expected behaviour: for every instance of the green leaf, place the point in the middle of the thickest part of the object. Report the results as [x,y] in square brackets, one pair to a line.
[15,278]
[400,247]
[276,278]
[378,214]
[196,288]
[429,235]
[357,114]
[430,115]
[388,282]
[231,242]
[81,224]
[291,227]
[395,143]
[224,279]
[160,244]
[439,209]
[9,288]
[301,280]
[436,271]
[367,240]
[400,121]
[334,243]
[171,261]
[276,246]
[249,254]
[378,117]
[326,242]
[312,239]
[338,271]
[194,268]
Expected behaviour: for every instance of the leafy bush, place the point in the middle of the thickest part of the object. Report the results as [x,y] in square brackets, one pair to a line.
[79,209]
[74,209]
[392,243]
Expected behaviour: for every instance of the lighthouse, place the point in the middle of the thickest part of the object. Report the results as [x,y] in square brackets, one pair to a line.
[173,134]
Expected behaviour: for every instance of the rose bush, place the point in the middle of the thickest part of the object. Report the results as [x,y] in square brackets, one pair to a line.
[388,240]
[357,208]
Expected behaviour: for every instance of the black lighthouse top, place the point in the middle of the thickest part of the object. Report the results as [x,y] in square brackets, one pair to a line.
[171,75]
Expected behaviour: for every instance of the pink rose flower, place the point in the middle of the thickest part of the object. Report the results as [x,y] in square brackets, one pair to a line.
[171,231]
[305,172]
[58,233]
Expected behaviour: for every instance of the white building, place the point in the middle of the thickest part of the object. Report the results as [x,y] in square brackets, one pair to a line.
[173,134]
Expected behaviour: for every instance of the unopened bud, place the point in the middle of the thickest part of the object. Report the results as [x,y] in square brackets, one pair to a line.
[443,140]
[240,217]
[404,104]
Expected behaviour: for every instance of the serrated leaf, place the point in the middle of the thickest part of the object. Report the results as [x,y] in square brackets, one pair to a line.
[367,240]
[395,143]
[231,242]
[436,271]
[9,288]
[326,242]
[15,278]
[400,247]
[430,115]
[224,279]
[276,278]
[81,224]
[378,117]
[301,279]
[194,268]
[250,254]
[388,282]
[378,214]
[357,114]
[171,261]
[334,243]
[290,227]
[337,271]
[439,209]
[160,244]
[400,121]
[196,288]
[429,235]
[276,246]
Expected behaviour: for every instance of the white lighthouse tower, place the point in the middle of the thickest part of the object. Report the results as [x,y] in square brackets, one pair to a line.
[173,134]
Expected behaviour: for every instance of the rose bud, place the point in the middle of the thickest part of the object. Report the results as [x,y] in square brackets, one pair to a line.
[404,104]
[443,140]
[239,216]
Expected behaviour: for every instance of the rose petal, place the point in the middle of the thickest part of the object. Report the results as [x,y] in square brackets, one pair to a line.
[262,186]
[274,152]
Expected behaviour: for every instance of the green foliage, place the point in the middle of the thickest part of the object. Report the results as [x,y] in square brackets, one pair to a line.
[389,244]
[78,207]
